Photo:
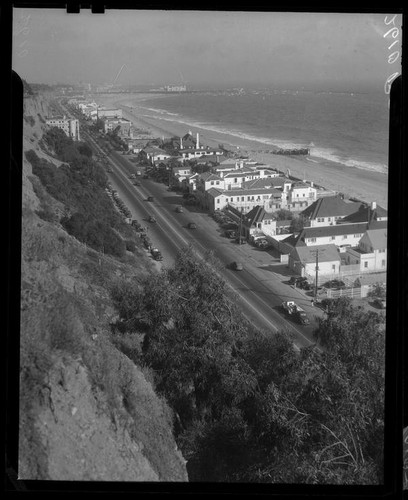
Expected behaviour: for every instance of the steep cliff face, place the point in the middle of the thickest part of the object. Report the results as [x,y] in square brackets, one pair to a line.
[87,412]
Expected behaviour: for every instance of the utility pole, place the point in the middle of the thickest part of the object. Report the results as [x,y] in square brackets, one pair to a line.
[317,271]
[240,226]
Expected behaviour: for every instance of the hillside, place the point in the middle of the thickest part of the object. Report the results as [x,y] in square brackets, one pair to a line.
[121,361]
[87,411]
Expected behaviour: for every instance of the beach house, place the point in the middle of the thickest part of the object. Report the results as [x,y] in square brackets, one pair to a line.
[236,179]
[244,200]
[329,210]
[370,255]
[109,113]
[258,222]
[300,195]
[366,213]
[154,154]
[208,180]
[302,261]
[121,125]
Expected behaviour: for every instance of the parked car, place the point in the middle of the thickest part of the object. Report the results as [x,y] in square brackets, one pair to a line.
[237,266]
[150,198]
[152,219]
[241,240]
[261,243]
[293,279]
[156,254]
[192,225]
[179,209]
[230,233]
[334,284]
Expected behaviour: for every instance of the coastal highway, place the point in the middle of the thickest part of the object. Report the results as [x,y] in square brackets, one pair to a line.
[259,290]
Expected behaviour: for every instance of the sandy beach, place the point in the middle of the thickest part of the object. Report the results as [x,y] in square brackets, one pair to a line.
[363,184]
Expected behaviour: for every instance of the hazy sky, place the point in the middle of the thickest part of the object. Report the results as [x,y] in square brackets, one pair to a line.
[234,48]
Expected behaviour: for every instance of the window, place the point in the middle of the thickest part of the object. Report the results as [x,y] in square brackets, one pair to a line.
[383,263]
[365,264]
[333,267]
[311,240]
[332,237]
[344,236]
[357,235]
[329,219]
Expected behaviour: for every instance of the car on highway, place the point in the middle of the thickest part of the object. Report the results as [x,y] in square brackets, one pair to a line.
[192,225]
[150,198]
[152,219]
[136,183]
[237,266]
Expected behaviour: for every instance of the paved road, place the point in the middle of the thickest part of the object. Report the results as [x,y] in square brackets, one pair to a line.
[260,288]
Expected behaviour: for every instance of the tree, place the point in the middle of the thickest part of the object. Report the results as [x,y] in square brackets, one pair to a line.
[378,291]
[298,223]
[283,214]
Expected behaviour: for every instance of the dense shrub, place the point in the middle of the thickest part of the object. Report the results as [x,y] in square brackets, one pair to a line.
[95,233]
[249,408]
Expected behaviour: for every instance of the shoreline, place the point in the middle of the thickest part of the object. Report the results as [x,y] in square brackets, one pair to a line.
[366,185]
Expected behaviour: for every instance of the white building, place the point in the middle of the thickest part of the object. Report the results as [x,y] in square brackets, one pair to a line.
[302,260]
[371,253]
[109,113]
[69,125]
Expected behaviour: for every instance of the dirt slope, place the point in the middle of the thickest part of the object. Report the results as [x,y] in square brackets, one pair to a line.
[87,412]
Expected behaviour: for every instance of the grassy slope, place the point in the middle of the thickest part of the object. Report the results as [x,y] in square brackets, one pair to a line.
[87,411]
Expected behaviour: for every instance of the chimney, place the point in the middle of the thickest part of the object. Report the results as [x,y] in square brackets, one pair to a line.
[181,143]
[311,183]
[373,205]
[198,142]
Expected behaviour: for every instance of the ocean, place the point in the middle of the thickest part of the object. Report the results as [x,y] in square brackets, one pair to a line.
[347,128]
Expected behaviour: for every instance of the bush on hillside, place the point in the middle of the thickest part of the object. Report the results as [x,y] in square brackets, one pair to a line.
[248,407]
[95,233]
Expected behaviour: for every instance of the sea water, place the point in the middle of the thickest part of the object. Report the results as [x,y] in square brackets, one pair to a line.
[348,128]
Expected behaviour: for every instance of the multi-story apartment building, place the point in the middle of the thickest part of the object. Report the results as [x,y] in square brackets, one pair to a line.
[69,125]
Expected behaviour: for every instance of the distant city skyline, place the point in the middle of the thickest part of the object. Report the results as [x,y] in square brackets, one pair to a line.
[196,48]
